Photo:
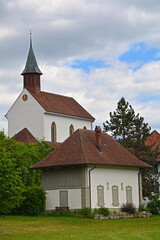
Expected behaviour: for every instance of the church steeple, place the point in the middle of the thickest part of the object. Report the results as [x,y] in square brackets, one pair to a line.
[31,72]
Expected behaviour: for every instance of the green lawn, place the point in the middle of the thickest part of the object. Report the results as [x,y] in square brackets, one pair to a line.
[61,228]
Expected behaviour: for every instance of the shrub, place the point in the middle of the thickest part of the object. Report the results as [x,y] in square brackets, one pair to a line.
[103,211]
[128,208]
[86,212]
[154,205]
[142,208]
[34,203]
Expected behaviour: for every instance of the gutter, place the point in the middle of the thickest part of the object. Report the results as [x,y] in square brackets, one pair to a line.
[90,185]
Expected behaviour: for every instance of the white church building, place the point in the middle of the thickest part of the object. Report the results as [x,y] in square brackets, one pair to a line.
[89,168]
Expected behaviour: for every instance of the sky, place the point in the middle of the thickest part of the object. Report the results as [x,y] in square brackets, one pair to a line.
[96,51]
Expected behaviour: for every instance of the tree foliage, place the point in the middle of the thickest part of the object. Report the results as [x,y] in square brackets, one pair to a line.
[130,130]
[15,173]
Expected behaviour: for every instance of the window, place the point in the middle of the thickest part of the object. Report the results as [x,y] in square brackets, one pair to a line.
[100,195]
[115,196]
[53,132]
[129,194]
[63,198]
[71,130]
[85,127]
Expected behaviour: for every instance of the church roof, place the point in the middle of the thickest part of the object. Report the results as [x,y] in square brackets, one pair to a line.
[25,136]
[31,64]
[61,104]
[80,149]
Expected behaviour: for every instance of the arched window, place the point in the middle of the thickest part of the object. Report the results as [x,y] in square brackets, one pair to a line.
[129,194]
[115,196]
[53,132]
[100,195]
[85,127]
[71,130]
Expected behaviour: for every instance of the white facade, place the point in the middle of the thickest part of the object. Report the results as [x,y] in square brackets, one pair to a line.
[26,114]
[63,123]
[106,178]
[53,198]
[29,114]
[109,177]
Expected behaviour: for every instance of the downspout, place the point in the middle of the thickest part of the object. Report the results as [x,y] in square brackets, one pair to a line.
[90,185]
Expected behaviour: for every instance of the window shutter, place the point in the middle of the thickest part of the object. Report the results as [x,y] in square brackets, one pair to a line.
[115,196]
[100,195]
[129,194]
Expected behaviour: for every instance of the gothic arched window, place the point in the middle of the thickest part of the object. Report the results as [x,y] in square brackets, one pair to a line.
[71,130]
[84,127]
[53,132]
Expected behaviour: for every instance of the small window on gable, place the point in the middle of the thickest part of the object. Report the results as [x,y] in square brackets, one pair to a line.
[115,196]
[71,130]
[53,132]
[85,127]
[100,196]
[129,194]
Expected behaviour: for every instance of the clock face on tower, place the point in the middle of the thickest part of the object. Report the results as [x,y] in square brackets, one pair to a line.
[25,97]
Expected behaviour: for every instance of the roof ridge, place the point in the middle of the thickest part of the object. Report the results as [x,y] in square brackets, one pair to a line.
[56,94]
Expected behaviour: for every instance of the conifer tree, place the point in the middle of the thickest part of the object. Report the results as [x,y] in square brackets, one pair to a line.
[130,130]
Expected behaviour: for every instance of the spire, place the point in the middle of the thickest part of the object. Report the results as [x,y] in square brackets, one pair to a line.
[31,64]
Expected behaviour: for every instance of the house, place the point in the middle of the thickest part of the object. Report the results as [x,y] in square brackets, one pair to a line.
[46,115]
[154,140]
[91,169]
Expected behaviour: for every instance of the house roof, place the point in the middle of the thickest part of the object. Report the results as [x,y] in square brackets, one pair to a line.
[80,149]
[25,136]
[154,141]
[61,104]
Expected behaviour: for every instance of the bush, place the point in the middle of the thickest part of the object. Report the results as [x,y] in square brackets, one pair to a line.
[154,205]
[86,212]
[142,208]
[34,202]
[103,211]
[128,208]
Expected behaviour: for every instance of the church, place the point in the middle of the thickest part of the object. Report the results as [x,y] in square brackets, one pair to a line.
[47,116]
[87,168]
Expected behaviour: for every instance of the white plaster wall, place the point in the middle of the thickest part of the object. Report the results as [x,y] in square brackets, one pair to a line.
[62,125]
[27,114]
[100,176]
[74,198]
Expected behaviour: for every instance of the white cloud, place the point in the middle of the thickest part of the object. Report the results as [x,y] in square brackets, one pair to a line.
[67,30]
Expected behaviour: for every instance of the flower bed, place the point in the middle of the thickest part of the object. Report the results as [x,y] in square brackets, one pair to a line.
[122,215]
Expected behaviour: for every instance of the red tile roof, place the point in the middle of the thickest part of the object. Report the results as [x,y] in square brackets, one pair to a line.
[61,104]
[53,144]
[153,139]
[25,136]
[80,149]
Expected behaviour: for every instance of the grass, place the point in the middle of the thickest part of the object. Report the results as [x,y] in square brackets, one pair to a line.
[69,228]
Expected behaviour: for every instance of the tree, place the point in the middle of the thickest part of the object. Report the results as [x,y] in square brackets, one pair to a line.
[11,185]
[125,126]
[15,173]
[131,131]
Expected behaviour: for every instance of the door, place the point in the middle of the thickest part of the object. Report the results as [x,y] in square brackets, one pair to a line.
[63,196]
